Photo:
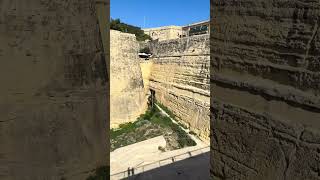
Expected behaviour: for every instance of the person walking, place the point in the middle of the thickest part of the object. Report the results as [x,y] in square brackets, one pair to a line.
[129,171]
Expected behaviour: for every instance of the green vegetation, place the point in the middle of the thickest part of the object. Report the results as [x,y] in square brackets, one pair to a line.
[116,24]
[182,125]
[150,124]
[102,173]
[123,128]
[183,139]
[133,132]
[166,110]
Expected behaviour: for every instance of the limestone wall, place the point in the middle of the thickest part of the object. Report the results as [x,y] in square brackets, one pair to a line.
[127,95]
[164,33]
[180,78]
[266,89]
[146,70]
[53,92]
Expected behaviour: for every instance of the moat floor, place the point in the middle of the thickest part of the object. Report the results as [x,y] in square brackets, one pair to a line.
[145,156]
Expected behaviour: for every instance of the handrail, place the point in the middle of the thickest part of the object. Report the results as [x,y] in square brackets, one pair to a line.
[159,161]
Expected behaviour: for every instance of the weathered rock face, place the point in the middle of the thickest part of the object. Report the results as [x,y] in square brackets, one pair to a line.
[180,79]
[127,95]
[146,70]
[265,85]
[53,116]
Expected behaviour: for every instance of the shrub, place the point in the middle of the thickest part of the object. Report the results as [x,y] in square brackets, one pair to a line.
[116,24]
[165,109]
[162,149]
[182,125]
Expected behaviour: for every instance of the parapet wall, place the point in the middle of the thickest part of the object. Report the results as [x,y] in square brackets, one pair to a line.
[180,78]
[127,94]
[266,84]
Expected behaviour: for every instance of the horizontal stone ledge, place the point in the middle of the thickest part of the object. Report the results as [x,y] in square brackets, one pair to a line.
[279,48]
[181,55]
[187,88]
[280,128]
[273,90]
[269,64]
[200,102]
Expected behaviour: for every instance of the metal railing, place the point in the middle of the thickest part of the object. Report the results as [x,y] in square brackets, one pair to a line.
[157,164]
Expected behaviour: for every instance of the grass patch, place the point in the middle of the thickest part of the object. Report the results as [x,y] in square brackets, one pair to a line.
[170,113]
[150,124]
[182,125]
[147,126]
[183,139]
[123,128]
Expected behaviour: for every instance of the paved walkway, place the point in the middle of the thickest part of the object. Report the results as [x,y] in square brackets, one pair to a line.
[135,154]
[194,168]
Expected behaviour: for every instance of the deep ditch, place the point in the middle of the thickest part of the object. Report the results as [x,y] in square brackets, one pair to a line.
[154,122]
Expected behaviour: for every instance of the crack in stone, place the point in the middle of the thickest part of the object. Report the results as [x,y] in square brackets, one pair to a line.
[288,161]
[292,154]
[314,32]
[218,175]
[238,162]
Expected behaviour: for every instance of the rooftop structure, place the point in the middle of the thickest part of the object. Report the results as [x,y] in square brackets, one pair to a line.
[164,33]
[174,32]
[198,28]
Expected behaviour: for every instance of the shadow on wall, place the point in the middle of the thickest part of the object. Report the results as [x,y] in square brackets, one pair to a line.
[193,168]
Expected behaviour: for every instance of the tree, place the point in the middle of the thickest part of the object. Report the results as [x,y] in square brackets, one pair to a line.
[116,24]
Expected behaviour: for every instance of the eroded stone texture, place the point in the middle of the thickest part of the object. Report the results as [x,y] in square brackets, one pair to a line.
[127,95]
[53,115]
[265,90]
[180,79]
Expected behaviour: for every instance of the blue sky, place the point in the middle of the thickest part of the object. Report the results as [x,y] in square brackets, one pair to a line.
[160,12]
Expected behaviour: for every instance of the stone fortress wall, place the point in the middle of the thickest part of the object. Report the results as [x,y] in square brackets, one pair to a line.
[178,73]
[265,60]
[180,79]
[146,69]
[53,103]
[127,94]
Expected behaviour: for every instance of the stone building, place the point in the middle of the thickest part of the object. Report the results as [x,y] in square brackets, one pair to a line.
[174,32]
[198,28]
[164,33]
